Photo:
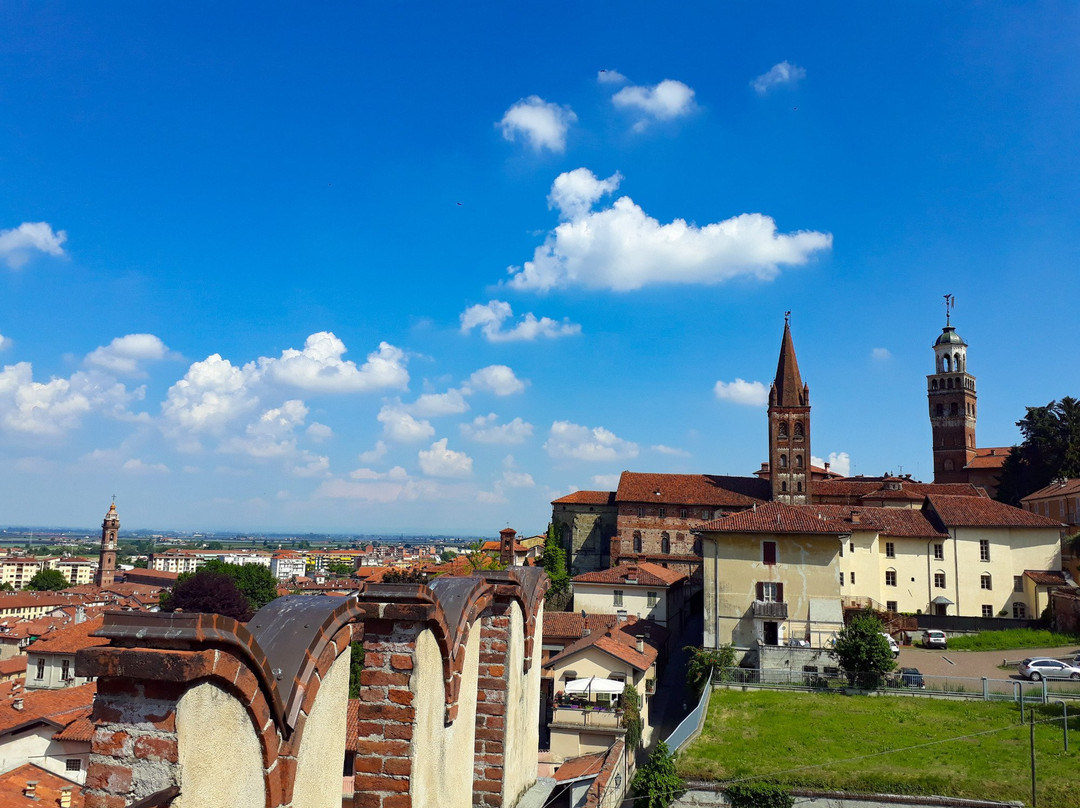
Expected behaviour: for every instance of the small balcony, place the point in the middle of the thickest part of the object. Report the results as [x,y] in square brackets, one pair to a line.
[770,610]
[591,717]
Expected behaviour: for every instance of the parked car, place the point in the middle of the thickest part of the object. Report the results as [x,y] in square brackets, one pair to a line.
[910,677]
[1036,668]
[932,638]
[892,645]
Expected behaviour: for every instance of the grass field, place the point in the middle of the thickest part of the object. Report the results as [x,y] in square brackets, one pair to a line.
[1011,638]
[784,737]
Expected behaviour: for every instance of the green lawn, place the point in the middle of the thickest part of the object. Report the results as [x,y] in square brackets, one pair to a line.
[777,735]
[1011,638]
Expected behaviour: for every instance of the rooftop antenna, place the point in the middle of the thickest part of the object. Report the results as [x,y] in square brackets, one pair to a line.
[950,304]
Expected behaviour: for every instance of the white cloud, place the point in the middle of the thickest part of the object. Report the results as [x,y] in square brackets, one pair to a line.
[742,392]
[58,405]
[663,102]
[311,465]
[512,478]
[541,124]
[610,77]
[319,432]
[139,467]
[497,379]
[124,354]
[606,482]
[483,429]
[880,354]
[370,486]
[400,426]
[777,76]
[396,473]
[5,342]
[272,434]
[16,245]
[374,455]
[213,393]
[452,402]
[319,367]
[573,441]
[439,461]
[839,462]
[670,450]
[621,248]
[491,317]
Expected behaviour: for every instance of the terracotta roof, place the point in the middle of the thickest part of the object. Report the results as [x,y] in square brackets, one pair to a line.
[14,666]
[1058,488]
[776,517]
[352,726]
[897,522]
[572,625]
[81,729]
[495,546]
[586,498]
[621,642]
[692,489]
[165,577]
[57,707]
[578,767]
[983,512]
[645,573]
[24,599]
[69,639]
[855,487]
[1047,577]
[13,784]
[990,457]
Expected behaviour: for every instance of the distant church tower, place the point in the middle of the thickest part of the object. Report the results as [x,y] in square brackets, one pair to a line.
[951,390]
[789,428]
[106,572]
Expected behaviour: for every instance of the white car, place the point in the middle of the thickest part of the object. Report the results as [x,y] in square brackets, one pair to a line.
[1036,668]
[892,645]
[932,638]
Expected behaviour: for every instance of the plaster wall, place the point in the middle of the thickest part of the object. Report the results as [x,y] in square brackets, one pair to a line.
[318,784]
[522,697]
[442,762]
[38,747]
[219,754]
[600,599]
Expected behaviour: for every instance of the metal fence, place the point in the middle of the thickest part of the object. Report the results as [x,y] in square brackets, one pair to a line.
[898,682]
[690,726]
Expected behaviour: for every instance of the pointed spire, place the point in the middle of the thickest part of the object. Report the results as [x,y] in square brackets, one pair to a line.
[788,388]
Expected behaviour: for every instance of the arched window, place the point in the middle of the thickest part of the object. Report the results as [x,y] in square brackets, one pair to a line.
[798,430]
[985,581]
[783,487]
[948,365]
[665,543]
[783,461]
[782,431]
[948,464]
[948,384]
[798,487]
[933,384]
[939,409]
[637,541]
[956,362]
[798,461]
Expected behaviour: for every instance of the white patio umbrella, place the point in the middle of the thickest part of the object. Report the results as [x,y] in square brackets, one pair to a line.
[594,684]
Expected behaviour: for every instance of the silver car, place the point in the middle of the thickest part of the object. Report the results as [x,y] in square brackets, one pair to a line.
[1036,668]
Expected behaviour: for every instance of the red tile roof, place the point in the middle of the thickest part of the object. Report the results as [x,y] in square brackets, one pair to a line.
[897,522]
[621,643]
[1058,488]
[990,457]
[855,487]
[1047,577]
[983,512]
[572,625]
[47,793]
[80,730]
[586,498]
[352,726]
[14,666]
[645,573]
[57,707]
[692,489]
[776,517]
[578,767]
[69,639]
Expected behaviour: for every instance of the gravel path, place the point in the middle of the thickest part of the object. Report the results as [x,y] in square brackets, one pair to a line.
[934,662]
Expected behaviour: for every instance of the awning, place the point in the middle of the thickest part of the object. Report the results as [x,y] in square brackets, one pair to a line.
[594,684]
[941,600]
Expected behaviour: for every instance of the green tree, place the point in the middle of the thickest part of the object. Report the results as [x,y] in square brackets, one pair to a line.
[215,545]
[702,660]
[208,592]
[413,575]
[631,719]
[657,783]
[339,569]
[6,587]
[254,581]
[862,651]
[553,560]
[356,668]
[759,795]
[48,580]
[1050,449]
[447,555]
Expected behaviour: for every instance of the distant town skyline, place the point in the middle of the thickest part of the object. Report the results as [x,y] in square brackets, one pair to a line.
[359,270]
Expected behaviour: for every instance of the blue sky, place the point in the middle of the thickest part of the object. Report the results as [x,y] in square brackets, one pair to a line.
[423,268]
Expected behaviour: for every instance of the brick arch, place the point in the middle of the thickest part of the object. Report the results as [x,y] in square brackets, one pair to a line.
[527,586]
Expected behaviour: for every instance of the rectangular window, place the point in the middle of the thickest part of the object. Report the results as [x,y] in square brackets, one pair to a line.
[891,605]
[939,552]
[939,580]
[1019,611]
[661,512]
[73,765]
[618,597]
[1018,583]
[682,513]
[985,582]
[770,592]
[65,666]
[841,549]
[641,513]
[890,577]
[984,549]
[40,668]
[651,599]
[853,579]
[851,546]
[987,611]
[890,550]
[768,552]
[841,579]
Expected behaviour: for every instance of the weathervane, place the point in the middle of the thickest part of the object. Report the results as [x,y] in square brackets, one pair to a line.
[787,318]
[950,304]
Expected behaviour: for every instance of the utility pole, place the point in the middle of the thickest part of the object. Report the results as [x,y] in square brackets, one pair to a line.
[1034,802]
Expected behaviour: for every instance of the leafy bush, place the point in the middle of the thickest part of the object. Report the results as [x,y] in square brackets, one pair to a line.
[48,580]
[631,703]
[862,652]
[657,784]
[759,795]
[702,660]
[208,592]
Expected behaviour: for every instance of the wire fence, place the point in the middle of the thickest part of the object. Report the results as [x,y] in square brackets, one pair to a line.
[908,681]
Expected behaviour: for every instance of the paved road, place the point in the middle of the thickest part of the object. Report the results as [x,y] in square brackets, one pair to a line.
[934,662]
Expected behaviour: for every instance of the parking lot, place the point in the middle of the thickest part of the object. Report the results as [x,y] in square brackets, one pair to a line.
[935,662]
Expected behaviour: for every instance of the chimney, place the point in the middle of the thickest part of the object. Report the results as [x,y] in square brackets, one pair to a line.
[65,797]
[855,517]
[17,704]
[640,644]
[30,790]
[585,632]
[80,614]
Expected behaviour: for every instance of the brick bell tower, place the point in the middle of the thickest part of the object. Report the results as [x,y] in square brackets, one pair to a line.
[106,572]
[951,391]
[789,428]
